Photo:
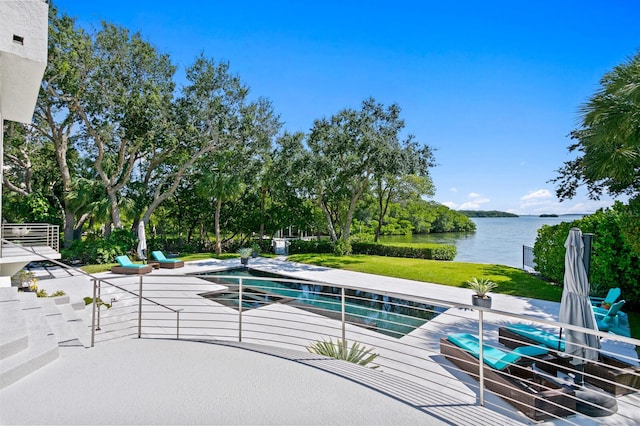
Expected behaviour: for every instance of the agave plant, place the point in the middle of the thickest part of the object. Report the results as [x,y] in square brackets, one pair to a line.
[245,252]
[482,286]
[357,353]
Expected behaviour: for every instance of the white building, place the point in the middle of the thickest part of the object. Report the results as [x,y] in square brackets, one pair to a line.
[23,59]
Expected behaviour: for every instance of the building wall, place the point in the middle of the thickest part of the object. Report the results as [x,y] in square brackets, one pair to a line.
[23,56]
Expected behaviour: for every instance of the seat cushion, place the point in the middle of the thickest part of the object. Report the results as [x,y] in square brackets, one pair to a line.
[538,335]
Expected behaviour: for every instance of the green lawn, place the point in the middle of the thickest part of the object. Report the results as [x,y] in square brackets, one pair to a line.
[510,280]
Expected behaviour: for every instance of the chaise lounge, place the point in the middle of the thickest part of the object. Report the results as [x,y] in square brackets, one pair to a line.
[610,374]
[510,376]
[127,267]
[612,295]
[159,257]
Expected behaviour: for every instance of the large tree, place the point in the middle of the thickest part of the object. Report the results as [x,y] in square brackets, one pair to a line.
[347,151]
[403,176]
[124,109]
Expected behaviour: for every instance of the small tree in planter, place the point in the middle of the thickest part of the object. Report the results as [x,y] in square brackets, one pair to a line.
[481,286]
[245,253]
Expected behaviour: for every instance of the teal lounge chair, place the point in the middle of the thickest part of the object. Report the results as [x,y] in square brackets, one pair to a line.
[515,335]
[494,357]
[609,320]
[126,266]
[166,263]
[509,374]
[610,299]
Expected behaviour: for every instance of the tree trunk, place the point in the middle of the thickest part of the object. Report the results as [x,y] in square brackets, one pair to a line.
[330,227]
[217,226]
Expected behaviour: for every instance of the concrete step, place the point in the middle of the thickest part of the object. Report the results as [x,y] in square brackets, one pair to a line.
[65,334]
[13,332]
[42,348]
[76,320]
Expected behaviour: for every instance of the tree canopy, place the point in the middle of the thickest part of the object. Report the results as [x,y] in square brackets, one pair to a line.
[608,142]
[116,140]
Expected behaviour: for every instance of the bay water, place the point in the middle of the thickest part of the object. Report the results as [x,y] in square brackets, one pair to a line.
[496,240]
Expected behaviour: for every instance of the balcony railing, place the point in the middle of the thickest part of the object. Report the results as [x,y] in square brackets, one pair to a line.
[410,342]
[34,235]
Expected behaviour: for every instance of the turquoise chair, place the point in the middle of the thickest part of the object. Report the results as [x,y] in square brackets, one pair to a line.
[126,266]
[538,335]
[494,357]
[163,262]
[610,299]
[610,319]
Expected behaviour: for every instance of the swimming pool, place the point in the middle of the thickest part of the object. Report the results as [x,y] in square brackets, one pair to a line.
[391,316]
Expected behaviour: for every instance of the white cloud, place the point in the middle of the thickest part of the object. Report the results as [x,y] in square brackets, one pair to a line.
[450,204]
[475,195]
[454,189]
[469,206]
[540,194]
[474,204]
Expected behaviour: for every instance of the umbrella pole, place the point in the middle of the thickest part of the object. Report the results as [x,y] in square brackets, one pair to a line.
[579,375]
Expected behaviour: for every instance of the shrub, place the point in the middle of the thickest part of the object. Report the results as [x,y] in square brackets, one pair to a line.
[311,246]
[614,263]
[422,251]
[342,248]
[96,249]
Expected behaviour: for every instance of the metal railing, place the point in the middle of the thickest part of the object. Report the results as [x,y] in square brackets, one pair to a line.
[30,235]
[404,330]
[528,259]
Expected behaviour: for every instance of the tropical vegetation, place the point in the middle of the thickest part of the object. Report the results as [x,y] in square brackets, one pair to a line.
[614,261]
[206,165]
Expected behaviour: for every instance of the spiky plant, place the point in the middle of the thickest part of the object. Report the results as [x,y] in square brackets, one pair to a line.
[357,353]
[482,286]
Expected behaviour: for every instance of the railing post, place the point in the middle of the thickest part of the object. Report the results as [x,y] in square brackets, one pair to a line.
[240,310]
[98,302]
[481,355]
[342,308]
[178,323]
[140,309]
[93,315]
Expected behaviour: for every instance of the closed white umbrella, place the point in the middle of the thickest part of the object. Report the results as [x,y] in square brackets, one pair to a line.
[575,307]
[142,241]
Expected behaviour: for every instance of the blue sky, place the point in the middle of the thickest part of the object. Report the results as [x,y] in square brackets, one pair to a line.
[493,86]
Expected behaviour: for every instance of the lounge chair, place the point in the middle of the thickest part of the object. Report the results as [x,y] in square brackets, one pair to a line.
[126,266]
[166,263]
[611,374]
[612,296]
[610,319]
[509,374]
[515,335]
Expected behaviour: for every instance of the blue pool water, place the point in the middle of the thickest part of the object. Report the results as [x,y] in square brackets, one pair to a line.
[388,315]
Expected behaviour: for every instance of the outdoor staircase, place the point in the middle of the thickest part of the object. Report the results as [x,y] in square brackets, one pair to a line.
[32,330]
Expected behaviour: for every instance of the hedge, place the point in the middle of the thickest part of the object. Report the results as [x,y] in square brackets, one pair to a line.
[423,251]
[613,261]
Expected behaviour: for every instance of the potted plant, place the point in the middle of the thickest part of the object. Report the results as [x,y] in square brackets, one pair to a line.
[245,253]
[255,250]
[481,286]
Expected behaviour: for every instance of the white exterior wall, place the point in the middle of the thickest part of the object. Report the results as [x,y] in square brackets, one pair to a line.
[22,63]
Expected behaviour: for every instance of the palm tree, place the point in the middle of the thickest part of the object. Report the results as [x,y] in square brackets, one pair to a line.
[219,187]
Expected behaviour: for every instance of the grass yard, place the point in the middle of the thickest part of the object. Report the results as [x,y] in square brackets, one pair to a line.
[510,280]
